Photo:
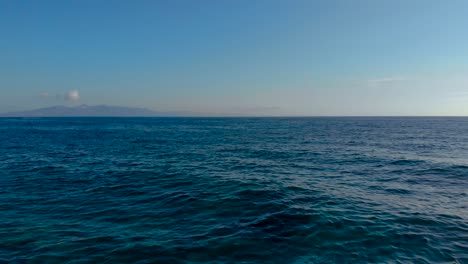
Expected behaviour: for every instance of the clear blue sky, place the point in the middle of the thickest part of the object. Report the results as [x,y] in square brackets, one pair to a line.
[288,57]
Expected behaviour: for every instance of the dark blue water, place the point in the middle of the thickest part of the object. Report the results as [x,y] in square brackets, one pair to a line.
[234,190]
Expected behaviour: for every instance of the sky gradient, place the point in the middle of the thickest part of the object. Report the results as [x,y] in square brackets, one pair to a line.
[362,57]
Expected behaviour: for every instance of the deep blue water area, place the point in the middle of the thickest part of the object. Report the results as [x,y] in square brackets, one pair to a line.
[234,190]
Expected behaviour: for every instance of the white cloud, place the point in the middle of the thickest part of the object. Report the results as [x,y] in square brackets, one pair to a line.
[44,95]
[386,80]
[72,95]
[458,95]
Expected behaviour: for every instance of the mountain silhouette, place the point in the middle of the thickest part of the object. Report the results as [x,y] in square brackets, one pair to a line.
[87,110]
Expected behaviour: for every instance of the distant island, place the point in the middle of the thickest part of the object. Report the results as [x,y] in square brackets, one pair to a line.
[88,110]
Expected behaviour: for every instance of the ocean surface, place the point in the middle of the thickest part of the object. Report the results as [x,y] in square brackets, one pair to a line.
[234,190]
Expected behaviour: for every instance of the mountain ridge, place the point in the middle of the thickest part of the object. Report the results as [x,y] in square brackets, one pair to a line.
[88,110]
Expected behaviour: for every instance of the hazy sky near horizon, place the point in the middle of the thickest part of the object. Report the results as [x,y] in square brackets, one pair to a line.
[270,57]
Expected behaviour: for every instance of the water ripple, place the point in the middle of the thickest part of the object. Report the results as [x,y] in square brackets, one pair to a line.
[280,190]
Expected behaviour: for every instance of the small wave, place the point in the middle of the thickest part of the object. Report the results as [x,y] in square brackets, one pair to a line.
[398,191]
[405,162]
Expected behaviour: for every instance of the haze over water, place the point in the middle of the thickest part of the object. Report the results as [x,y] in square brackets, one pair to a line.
[234,190]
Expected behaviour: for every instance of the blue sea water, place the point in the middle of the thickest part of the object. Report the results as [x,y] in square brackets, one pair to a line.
[234,190]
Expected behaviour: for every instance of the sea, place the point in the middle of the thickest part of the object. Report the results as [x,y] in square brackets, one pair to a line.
[234,190]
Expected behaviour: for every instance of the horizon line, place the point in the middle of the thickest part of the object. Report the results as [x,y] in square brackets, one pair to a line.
[240,116]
